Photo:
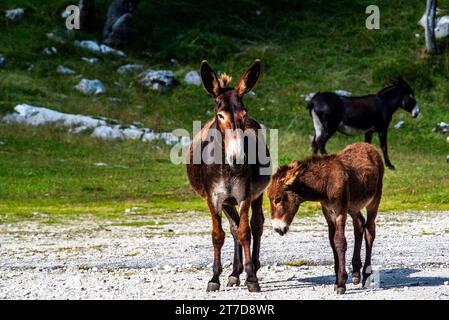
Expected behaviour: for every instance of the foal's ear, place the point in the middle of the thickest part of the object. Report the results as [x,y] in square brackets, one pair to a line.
[249,78]
[210,79]
[292,173]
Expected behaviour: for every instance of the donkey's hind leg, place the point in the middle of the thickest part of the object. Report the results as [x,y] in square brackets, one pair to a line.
[237,266]
[358,222]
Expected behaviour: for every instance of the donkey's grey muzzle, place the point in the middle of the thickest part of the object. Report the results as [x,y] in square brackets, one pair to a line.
[415,111]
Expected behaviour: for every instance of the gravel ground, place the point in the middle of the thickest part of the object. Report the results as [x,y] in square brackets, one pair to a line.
[88,259]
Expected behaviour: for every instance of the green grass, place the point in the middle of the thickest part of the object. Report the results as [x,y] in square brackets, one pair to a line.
[305,47]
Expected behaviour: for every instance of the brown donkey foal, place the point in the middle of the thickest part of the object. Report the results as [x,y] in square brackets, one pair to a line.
[343,183]
[230,175]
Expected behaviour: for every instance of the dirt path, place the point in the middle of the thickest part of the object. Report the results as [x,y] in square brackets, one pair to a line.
[87,259]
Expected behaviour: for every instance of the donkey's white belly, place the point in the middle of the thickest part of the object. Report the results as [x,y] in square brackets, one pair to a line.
[351,131]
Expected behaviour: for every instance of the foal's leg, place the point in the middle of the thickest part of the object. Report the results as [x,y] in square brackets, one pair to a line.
[244,234]
[237,266]
[341,246]
[370,235]
[358,222]
[383,144]
[257,220]
[218,237]
[331,229]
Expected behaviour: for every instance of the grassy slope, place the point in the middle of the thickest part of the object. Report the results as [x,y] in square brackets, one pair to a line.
[306,47]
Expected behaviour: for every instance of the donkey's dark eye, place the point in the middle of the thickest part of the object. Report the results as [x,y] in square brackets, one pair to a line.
[220,116]
[278,200]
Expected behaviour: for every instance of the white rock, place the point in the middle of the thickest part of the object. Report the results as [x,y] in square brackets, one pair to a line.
[399,124]
[50,51]
[100,164]
[158,79]
[65,70]
[14,14]
[130,68]
[107,133]
[54,37]
[100,48]
[89,87]
[193,78]
[133,133]
[2,60]
[37,116]
[90,60]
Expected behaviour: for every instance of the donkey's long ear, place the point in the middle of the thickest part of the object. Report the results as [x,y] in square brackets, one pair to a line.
[249,78]
[292,173]
[210,79]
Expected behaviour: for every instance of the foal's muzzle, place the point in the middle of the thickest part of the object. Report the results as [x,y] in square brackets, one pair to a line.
[280,226]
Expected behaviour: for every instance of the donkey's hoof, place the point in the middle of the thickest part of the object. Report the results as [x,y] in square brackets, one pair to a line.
[212,286]
[233,281]
[253,286]
[366,283]
[341,290]
[355,280]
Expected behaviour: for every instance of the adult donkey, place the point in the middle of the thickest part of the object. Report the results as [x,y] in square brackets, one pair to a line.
[355,115]
[224,168]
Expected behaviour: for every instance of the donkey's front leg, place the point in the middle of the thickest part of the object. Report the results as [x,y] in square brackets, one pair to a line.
[244,234]
[257,220]
[341,246]
[237,266]
[218,237]
[383,144]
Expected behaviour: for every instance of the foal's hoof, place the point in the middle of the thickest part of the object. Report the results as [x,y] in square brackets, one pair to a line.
[233,281]
[355,280]
[212,286]
[341,290]
[253,286]
[391,167]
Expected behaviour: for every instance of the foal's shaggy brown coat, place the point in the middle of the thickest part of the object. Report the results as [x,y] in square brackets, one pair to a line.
[343,183]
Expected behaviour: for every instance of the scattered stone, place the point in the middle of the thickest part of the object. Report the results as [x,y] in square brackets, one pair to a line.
[14,14]
[37,116]
[115,101]
[130,68]
[158,79]
[90,87]
[104,128]
[100,164]
[447,158]
[107,133]
[441,127]
[90,60]
[65,70]
[53,37]
[100,48]
[193,78]
[2,143]
[399,124]
[50,51]
[65,14]
[227,264]
[447,139]
[446,283]
[2,61]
